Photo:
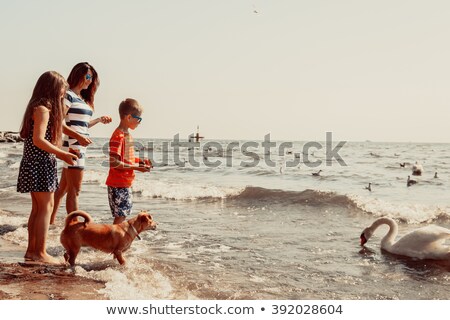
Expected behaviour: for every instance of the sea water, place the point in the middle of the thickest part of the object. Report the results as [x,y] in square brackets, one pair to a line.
[248,229]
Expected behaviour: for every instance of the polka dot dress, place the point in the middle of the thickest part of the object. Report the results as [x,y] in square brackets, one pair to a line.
[37,171]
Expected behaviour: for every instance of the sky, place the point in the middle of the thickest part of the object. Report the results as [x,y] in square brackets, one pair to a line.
[364,70]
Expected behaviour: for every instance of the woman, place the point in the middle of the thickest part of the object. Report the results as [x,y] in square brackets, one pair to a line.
[83,83]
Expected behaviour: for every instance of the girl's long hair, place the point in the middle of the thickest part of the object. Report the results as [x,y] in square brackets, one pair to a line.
[78,75]
[47,92]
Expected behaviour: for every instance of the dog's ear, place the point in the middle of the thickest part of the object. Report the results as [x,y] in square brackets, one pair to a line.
[145,217]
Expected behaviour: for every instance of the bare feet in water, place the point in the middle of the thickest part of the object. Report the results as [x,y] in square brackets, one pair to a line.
[45,259]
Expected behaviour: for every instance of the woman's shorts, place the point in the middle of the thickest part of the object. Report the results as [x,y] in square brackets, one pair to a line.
[120,201]
[80,152]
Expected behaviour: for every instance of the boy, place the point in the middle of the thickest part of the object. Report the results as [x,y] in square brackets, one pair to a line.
[122,161]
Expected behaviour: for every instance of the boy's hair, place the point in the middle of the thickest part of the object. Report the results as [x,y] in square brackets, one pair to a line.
[129,106]
[78,75]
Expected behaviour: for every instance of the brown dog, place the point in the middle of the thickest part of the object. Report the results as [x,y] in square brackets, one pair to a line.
[110,238]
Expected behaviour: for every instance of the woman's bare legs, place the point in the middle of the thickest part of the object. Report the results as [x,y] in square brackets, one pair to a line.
[59,195]
[74,178]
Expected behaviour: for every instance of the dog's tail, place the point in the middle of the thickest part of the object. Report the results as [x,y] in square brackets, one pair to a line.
[72,217]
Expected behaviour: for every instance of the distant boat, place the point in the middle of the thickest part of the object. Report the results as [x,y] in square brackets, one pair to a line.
[195,137]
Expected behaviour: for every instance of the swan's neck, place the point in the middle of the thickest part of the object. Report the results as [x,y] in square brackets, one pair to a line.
[388,239]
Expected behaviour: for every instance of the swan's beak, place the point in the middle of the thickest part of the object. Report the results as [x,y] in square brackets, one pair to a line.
[363,239]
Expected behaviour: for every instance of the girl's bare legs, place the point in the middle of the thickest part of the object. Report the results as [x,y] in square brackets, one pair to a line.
[38,230]
[74,178]
[31,221]
[59,195]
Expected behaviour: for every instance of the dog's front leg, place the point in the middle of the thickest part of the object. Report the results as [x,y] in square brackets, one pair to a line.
[118,255]
[70,255]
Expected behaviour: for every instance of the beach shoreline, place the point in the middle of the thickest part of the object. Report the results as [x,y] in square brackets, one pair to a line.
[23,281]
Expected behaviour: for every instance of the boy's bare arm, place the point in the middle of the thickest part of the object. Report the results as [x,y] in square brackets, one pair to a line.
[144,162]
[116,163]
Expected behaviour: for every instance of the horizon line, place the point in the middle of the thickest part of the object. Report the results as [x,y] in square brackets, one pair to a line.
[283,140]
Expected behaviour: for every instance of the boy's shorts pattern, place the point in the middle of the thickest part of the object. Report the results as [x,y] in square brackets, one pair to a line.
[120,201]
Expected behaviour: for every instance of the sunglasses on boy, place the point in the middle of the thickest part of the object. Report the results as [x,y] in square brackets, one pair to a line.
[139,119]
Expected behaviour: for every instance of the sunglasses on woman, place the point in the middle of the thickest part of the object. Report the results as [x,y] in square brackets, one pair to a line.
[88,77]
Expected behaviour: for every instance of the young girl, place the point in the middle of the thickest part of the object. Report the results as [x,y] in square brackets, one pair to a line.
[83,82]
[42,130]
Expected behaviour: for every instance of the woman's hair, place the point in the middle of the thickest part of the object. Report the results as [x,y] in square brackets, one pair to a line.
[129,106]
[47,92]
[78,75]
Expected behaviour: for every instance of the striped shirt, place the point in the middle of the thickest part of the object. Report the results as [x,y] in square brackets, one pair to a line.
[77,118]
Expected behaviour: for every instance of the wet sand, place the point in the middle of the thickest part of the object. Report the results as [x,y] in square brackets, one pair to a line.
[23,281]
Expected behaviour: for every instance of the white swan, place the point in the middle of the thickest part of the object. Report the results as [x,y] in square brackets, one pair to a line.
[423,243]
